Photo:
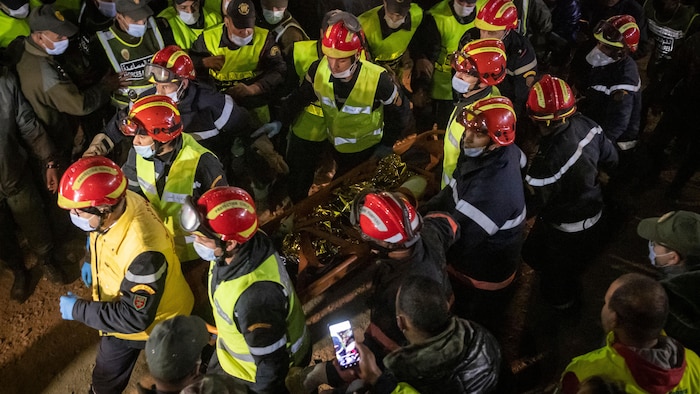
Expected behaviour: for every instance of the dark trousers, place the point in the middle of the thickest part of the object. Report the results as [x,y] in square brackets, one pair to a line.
[25,210]
[302,158]
[115,362]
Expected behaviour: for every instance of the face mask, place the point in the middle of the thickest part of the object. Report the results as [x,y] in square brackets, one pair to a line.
[173,96]
[240,41]
[136,30]
[189,18]
[653,255]
[19,13]
[273,17]
[82,223]
[344,74]
[473,152]
[144,151]
[460,86]
[58,47]
[394,24]
[206,253]
[108,9]
[597,58]
[463,11]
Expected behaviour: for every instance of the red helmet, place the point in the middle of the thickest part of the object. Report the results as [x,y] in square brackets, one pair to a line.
[494,116]
[550,98]
[157,115]
[340,42]
[619,31]
[386,219]
[91,182]
[170,64]
[227,211]
[497,15]
[484,59]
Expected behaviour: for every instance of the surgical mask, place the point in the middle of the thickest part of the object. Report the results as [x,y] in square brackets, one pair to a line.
[58,46]
[205,252]
[597,58]
[473,152]
[82,223]
[344,74]
[463,11]
[107,8]
[393,24]
[240,41]
[653,255]
[459,85]
[174,96]
[144,151]
[189,18]
[273,17]
[136,30]
[19,13]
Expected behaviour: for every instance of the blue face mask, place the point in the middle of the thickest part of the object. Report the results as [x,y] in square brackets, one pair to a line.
[473,152]
[136,30]
[460,86]
[206,253]
[144,151]
[653,255]
[273,17]
[82,223]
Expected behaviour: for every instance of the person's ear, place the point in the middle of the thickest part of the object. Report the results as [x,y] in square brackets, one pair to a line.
[674,258]
[231,245]
[401,322]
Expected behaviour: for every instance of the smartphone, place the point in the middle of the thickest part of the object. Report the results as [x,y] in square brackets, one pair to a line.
[344,344]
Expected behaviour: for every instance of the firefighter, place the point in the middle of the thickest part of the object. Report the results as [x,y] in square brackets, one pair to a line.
[259,318]
[564,193]
[133,272]
[479,67]
[186,20]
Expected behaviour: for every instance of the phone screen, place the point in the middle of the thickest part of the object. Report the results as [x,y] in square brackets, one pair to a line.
[344,344]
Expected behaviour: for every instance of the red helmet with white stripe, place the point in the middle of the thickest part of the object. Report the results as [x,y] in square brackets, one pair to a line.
[386,219]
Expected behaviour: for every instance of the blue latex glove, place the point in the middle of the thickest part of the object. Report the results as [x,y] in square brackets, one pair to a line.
[67,304]
[271,129]
[86,274]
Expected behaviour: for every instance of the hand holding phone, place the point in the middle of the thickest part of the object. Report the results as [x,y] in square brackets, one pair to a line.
[344,344]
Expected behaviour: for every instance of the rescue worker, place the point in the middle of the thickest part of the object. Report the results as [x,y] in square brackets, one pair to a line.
[564,193]
[485,196]
[636,352]
[133,272]
[95,15]
[281,24]
[211,117]
[243,59]
[363,109]
[185,20]
[479,67]
[499,19]
[127,46]
[259,318]
[13,22]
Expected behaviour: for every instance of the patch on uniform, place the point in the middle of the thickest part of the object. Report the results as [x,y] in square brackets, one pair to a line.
[274,51]
[147,289]
[125,54]
[243,9]
[59,16]
[140,302]
[619,95]
[259,325]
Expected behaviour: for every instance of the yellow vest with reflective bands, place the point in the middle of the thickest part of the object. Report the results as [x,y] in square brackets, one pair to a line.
[235,357]
[395,45]
[240,64]
[607,363]
[354,127]
[138,230]
[183,34]
[179,184]
[11,28]
[309,125]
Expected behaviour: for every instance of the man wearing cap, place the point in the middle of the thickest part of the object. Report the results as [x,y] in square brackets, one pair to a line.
[46,85]
[281,24]
[13,22]
[674,248]
[185,20]
[243,59]
[127,46]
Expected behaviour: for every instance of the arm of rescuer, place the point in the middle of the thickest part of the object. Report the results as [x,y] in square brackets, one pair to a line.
[141,291]
[261,313]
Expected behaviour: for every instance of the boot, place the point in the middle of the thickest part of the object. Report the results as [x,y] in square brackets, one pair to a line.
[53,273]
[20,287]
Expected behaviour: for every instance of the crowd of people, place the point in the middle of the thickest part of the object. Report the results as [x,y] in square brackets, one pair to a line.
[169,130]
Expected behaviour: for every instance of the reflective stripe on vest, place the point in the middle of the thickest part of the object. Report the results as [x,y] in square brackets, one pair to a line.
[183,34]
[178,185]
[240,64]
[355,127]
[480,218]
[278,31]
[395,45]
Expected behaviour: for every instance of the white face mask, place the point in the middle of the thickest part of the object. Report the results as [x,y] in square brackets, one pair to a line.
[653,255]
[82,223]
[240,41]
[344,74]
[189,18]
[19,13]
[597,58]
[393,24]
[205,252]
[459,85]
[474,152]
[174,96]
[58,46]
[107,8]
[136,30]
[273,17]
[463,11]
[144,151]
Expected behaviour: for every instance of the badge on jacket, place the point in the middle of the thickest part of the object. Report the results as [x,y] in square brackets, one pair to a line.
[140,302]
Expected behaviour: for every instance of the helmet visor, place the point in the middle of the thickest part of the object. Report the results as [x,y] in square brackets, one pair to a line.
[192,221]
[472,121]
[461,62]
[606,33]
[155,73]
[128,127]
